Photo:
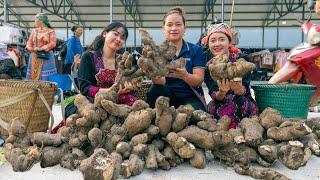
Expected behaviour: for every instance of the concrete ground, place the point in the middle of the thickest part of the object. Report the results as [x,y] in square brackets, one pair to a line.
[214,169]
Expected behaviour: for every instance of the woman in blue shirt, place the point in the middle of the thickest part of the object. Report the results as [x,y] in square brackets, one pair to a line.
[182,86]
[74,48]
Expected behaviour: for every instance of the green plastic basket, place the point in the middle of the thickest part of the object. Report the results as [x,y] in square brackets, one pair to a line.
[291,100]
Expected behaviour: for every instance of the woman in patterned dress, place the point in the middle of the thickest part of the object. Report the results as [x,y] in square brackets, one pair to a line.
[42,38]
[98,68]
[231,98]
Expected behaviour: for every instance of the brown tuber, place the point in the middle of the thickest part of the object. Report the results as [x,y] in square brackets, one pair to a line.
[155,60]
[289,130]
[181,146]
[252,131]
[101,165]
[270,118]
[220,68]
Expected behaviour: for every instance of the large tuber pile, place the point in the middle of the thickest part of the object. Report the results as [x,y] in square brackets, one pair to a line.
[220,68]
[106,140]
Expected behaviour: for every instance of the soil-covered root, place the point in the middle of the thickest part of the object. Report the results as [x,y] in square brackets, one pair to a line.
[314,124]
[199,159]
[200,115]
[51,156]
[311,140]
[118,110]
[172,157]
[87,110]
[186,109]
[237,135]
[181,146]
[270,118]
[204,139]
[69,161]
[139,139]
[105,94]
[95,137]
[268,151]
[252,131]
[138,121]
[288,130]
[18,136]
[180,122]
[101,165]
[139,105]
[151,158]
[236,153]
[260,173]
[45,139]
[294,155]
[132,167]
[124,149]
[164,115]
[22,160]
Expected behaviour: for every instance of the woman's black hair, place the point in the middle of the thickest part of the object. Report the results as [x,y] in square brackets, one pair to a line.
[74,28]
[98,42]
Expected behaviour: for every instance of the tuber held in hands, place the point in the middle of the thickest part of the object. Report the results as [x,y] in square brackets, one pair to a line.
[156,60]
[220,68]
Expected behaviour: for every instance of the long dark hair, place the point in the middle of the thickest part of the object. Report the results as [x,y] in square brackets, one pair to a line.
[98,42]
[74,28]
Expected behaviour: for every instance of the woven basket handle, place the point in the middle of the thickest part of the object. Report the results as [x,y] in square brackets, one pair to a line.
[48,108]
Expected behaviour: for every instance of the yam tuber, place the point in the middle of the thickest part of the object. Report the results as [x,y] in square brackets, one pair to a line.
[289,130]
[164,115]
[156,60]
[252,131]
[270,118]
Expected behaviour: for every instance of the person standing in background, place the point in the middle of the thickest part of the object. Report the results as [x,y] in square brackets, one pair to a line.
[74,49]
[42,39]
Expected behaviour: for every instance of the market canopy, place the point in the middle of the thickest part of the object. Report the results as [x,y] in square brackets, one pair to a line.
[149,13]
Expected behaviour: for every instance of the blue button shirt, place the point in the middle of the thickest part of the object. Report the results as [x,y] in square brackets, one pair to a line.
[194,56]
[73,47]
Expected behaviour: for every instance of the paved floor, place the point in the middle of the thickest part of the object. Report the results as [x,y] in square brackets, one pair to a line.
[214,169]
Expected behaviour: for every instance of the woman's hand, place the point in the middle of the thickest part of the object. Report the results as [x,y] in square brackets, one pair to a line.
[127,87]
[180,73]
[76,62]
[237,87]
[224,85]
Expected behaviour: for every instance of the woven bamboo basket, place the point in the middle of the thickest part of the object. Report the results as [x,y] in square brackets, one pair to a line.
[141,92]
[291,100]
[24,100]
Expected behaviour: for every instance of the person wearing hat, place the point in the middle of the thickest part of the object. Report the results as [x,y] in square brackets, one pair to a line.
[231,98]
[40,44]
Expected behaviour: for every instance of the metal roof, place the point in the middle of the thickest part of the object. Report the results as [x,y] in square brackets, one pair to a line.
[149,13]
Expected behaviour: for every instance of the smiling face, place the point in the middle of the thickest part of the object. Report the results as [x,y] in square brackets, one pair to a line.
[115,39]
[78,32]
[219,44]
[174,27]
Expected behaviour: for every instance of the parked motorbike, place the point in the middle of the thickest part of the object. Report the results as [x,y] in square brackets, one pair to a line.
[303,60]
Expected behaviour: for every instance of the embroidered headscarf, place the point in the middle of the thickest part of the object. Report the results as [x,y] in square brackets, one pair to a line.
[220,28]
[44,18]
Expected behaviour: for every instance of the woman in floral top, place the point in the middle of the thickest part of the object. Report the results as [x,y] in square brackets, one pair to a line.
[98,68]
[42,38]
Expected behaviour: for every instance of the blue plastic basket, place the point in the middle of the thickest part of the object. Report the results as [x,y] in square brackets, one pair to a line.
[63,80]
